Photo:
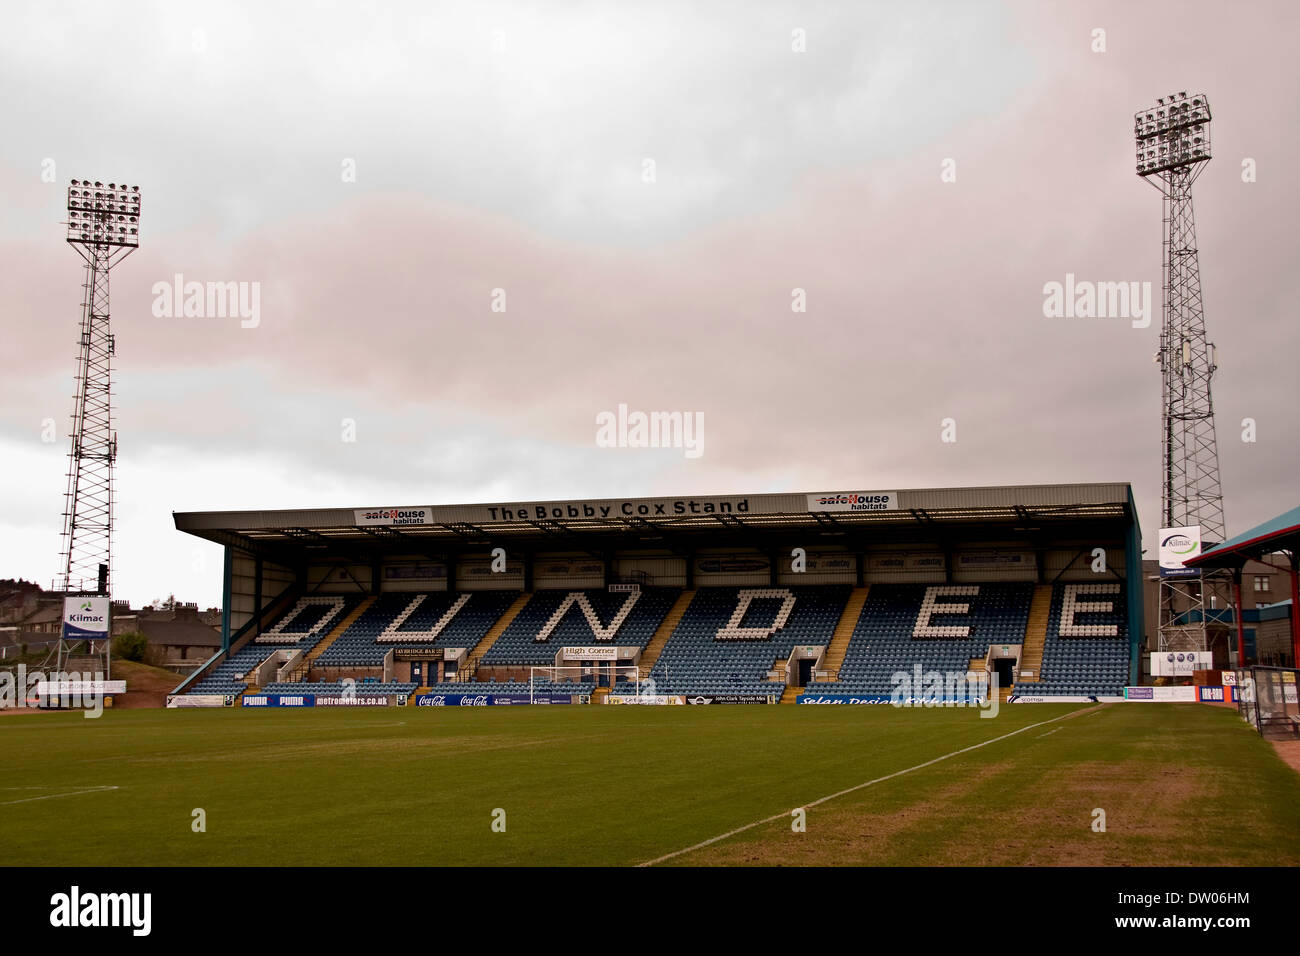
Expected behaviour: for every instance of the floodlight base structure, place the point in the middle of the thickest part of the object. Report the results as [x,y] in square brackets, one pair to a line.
[95,213]
[1172,153]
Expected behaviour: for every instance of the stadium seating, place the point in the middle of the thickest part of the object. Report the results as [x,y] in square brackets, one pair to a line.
[724,646]
[899,629]
[307,621]
[339,689]
[416,620]
[1087,647]
[519,644]
[727,641]
[299,629]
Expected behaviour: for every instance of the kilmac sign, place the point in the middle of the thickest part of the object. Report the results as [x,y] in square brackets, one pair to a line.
[85,618]
[1176,546]
[855,501]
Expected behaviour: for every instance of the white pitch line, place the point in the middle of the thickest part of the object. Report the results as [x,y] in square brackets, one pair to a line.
[55,796]
[1049,733]
[861,786]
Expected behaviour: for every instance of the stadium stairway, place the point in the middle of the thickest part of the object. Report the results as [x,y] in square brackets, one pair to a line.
[1031,655]
[496,630]
[839,645]
[599,694]
[650,656]
[790,695]
[304,666]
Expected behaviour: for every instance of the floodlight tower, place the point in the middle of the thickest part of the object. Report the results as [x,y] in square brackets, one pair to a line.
[103,226]
[1173,146]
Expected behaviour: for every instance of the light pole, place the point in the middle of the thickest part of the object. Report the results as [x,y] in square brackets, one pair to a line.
[103,226]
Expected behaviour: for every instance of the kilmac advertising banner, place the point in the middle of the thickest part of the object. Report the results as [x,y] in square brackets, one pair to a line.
[85,618]
[1176,546]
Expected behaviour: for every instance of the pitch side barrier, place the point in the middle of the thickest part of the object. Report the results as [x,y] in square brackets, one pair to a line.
[1207,695]
[323,700]
[490,700]
[946,701]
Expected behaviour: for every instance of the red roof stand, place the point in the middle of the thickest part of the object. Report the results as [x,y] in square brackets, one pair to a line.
[1281,534]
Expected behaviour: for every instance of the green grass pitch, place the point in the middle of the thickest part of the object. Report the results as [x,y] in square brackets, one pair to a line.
[1178,783]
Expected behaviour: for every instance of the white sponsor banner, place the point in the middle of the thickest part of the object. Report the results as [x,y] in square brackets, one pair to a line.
[1063,699]
[1160,693]
[591,653]
[854,501]
[1176,546]
[658,699]
[63,688]
[392,516]
[196,700]
[1180,663]
[85,618]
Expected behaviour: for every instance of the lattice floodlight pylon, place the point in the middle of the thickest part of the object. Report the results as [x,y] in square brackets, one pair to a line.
[1173,146]
[103,226]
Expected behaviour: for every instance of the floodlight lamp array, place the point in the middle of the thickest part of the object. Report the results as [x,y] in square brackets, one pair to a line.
[100,214]
[1173,133]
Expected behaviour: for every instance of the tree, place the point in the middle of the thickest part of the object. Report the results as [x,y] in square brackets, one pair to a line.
[131,646]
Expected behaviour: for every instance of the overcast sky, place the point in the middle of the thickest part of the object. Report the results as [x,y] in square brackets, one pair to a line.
[379,170]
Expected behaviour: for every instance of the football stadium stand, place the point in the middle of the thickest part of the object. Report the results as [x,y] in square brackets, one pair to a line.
[741,598]
[560,618]
[941,628]
[731,638]
[417,620]
[1087,647]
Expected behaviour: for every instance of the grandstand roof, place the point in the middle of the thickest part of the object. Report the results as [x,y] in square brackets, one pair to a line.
[1277,534]
[610,522]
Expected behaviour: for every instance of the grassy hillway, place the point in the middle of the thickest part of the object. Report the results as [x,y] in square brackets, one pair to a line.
[623,785]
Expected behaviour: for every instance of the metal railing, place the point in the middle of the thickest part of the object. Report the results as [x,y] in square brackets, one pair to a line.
[1267,699]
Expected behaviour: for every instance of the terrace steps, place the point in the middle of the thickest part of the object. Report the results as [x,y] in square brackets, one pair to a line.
[791,695]
[477,652]
[410,701]
[1031,655]
[839,645]
[337,630]
[650,656]
[303,668]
